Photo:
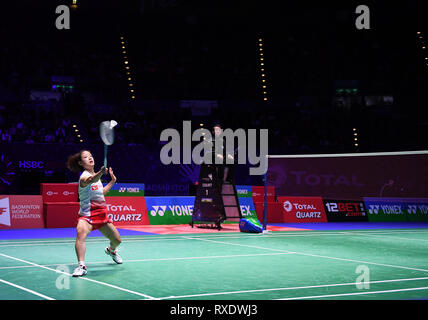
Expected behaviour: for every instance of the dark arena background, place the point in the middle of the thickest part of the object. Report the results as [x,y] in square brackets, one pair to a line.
[340,213]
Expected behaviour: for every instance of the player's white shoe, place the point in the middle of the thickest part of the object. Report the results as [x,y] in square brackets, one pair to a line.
[114,255]
[80,271]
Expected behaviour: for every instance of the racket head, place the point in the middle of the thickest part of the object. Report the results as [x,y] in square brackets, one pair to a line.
[107,132]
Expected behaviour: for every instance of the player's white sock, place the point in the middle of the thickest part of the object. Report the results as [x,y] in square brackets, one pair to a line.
[82,263]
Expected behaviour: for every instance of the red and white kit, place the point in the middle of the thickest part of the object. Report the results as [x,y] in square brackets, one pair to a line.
[93,206]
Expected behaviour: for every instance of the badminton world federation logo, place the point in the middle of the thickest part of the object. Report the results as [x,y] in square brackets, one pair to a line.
[5,212]
[158,210]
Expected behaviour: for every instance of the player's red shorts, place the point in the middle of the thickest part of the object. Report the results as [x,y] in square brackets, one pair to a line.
[98,217]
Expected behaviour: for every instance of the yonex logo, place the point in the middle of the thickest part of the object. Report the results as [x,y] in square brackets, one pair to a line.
[174,210]
[158,209]
[67,193]
[411,209]
[246,210]
[373,209]
[287,206]
[126,189]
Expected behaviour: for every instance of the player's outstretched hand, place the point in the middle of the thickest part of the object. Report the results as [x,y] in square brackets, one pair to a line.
[103,170]
[112,176]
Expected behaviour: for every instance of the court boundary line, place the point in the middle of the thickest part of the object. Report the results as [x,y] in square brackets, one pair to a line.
[321,256]
[387,237]
[290,288]
[354,293]
[83,278]
[153,260]
[234,236]
[26,289]
[240,245]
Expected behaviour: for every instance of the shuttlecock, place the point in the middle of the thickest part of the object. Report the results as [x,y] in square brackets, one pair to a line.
[113,124]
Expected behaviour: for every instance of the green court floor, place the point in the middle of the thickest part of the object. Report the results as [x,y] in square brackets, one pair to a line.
[357,264]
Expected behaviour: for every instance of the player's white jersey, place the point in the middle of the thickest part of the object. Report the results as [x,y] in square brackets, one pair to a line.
[91,197]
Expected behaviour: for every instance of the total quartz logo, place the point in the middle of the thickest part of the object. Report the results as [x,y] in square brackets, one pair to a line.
[299,209]
[287,206]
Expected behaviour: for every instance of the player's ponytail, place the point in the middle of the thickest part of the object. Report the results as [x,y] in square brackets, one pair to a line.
[73,162]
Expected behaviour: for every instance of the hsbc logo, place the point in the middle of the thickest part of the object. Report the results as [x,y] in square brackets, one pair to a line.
[158,210]
[288,206]
[373,209]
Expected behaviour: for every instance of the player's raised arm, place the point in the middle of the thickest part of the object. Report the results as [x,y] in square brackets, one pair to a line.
[87,180]
[111,183]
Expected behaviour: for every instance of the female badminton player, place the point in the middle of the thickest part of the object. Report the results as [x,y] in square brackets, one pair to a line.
[93,209]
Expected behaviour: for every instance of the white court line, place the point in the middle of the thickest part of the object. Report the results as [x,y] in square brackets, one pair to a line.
[178,238]
[155,259]
[354,293]
[83,278]
[385,237]
[217,235]
[288,288]
[27,290]
[240,245]
[315,255]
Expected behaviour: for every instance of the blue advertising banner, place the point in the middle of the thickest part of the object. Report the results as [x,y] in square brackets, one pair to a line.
[385,209]
[179,210]
[126,189]
[397,209]
[247,207]
[417,209]
[245,198]
[170,210]
[244,191]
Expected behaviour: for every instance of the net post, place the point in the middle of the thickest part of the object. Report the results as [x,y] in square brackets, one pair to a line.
[265,200]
